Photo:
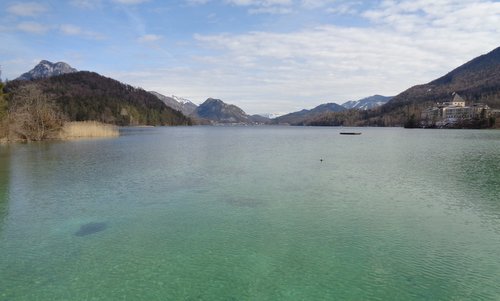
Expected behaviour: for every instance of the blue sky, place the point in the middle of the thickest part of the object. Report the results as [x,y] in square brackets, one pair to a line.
[266,56]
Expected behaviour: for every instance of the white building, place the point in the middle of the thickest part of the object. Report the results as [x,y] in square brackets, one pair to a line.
[449,113]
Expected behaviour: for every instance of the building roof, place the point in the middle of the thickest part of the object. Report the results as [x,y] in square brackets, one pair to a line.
[457,98]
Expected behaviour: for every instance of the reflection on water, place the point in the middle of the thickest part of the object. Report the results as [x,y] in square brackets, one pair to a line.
[477,170]
[4,184]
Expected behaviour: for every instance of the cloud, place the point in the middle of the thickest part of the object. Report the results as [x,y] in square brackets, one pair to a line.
[27,9]
[33,27]
[409,42]
[86,4]
[265,6]
[398,44]
[465,15]
[197,2]
[271,10]
[129,2]
[265,3]
[147,38]
[313,4]
[73,30]
[350,8]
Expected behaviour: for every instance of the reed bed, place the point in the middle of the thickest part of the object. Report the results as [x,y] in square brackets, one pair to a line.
[88,129]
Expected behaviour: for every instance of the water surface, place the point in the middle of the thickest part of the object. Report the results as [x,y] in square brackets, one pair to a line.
[251,213]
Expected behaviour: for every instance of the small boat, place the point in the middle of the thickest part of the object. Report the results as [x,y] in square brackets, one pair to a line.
[350,133]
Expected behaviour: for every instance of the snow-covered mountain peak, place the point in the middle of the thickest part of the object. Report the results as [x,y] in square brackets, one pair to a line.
[46,69]
[181,100]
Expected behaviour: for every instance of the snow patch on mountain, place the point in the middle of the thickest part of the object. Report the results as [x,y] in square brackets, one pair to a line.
[367,103]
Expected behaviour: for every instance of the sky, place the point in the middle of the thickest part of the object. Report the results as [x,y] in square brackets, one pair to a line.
[265,56]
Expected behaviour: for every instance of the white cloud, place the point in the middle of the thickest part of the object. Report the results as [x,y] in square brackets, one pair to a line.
[265,6]
[341,10]
[350,8]
[464,15]
[86,4]
[33,27]
[73,30]
[70,29]
[129,2]
[412,42]
[274,10]
[313,4]
[197,2]
[27,9]
[149,38]
[265,3]
[407,43]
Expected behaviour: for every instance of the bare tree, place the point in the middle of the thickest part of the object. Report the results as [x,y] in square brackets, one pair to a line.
[33,115]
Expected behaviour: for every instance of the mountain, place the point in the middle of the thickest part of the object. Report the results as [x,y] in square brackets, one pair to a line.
[477,81]
[46,69]
[215,111]
[367,103]
[300,117]
[259,119]
[177,103]
[271,115]
[89,96]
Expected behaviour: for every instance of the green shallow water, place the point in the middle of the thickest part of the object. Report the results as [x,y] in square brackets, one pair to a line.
[237,213]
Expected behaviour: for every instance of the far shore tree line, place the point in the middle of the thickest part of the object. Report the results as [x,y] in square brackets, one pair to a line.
[404,115]
[35,111]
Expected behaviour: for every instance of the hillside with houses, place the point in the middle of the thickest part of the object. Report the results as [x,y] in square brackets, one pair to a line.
[457,113]
[477,82]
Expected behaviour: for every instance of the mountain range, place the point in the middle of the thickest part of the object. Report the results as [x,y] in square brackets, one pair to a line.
[477,81]
[87,95]
[367,103]
[298,118]
[212,111]
[184,105]
[215,111]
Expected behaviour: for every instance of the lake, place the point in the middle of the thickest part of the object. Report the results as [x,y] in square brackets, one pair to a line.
[252,213]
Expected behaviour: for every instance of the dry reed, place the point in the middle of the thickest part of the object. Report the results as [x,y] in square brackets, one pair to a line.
[88,129]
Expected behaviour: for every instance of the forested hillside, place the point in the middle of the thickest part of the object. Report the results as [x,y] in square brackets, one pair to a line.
[90,96]
[477,81]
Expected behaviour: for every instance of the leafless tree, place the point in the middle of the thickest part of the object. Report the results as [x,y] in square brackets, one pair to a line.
[33,115]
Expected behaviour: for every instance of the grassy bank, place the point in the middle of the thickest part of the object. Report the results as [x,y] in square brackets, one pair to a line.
[87,129]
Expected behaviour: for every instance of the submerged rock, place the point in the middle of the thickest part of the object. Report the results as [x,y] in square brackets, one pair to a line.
[245,202]
[91,228]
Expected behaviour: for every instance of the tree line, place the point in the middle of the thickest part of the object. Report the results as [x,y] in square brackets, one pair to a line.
[36,110]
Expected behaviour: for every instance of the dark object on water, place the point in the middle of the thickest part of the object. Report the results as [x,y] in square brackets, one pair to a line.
[321,160]
[91,228]
[350,133]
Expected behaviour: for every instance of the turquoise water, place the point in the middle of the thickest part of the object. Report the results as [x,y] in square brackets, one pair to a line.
[251,213]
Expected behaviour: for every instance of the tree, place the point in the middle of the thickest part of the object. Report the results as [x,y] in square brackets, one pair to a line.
[33,115]
[3,103]
[3,112]
[412,122]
